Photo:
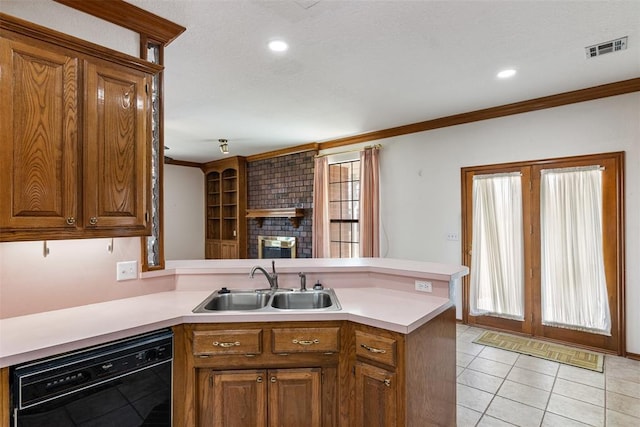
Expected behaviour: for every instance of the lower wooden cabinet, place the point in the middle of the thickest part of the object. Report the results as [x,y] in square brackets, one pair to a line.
[375,396]
[405,380]
[260,398]
[315,374]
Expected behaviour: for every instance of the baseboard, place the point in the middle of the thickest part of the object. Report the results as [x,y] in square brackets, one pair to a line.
[633,356]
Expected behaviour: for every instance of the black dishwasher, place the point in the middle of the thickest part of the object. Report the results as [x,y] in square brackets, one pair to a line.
[125,383]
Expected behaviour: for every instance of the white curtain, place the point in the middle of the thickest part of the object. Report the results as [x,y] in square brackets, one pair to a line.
[497,282]
[574,289]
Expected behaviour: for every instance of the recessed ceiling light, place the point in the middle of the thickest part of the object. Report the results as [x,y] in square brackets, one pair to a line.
[278,45]
[505,74]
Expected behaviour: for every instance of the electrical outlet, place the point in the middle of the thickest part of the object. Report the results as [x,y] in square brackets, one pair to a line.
[423,286]
[126,270]
[453,237]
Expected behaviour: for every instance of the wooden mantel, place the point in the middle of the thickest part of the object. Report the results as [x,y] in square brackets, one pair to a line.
[294,215]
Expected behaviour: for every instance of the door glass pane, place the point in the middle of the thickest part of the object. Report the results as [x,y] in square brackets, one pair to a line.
[497,254]
[573,282]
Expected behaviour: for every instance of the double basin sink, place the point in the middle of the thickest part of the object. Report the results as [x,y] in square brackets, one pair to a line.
[269,300]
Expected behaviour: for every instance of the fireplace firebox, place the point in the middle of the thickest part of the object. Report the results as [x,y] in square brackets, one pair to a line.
[276,247]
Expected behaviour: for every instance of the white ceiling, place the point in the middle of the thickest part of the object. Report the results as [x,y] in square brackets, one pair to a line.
[360,66]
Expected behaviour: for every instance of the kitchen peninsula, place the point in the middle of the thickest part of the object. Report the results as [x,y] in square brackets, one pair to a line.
[388,342]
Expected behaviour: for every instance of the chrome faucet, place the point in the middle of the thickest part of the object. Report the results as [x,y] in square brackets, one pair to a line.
[272,278]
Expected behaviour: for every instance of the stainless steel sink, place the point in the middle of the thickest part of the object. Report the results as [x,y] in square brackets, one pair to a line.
[282,299]
[233,300]
[307,300]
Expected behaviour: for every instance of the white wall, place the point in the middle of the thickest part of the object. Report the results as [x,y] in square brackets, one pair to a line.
[420,176]
[183,212]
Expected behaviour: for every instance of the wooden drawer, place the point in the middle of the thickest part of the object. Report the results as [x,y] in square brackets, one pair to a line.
[305,340]
[208,343]
[376,348]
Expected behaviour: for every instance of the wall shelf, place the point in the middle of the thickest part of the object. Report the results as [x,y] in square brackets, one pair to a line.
[294,215]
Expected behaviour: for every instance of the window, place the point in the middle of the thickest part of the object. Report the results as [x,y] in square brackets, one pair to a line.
[344,209]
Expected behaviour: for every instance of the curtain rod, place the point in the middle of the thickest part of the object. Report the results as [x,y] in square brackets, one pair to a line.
[378,146]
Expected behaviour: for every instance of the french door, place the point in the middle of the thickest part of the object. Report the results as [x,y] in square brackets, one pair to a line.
[516,296]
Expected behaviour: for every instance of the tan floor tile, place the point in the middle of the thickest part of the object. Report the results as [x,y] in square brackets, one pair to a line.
[582,376]
[463,359]
[536,364]
[473,398]
[623,386]
[468,347]
[488,421]
[531,378]
[578,391]
[467,417]
[616,419]
[515,412]
[498,355]
[554,420]
[490,367]
[626,369]
[524,394]
[576,410]
[479,380]
[623,404]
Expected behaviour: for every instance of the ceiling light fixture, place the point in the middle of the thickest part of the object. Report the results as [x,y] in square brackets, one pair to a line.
[505,74]
[278,45]
[224,146]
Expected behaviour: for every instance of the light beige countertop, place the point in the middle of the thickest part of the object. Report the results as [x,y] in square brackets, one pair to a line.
[372,291]
[30,337]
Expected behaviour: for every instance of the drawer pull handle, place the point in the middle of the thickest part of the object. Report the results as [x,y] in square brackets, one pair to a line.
[372,349]
[306,342]
[387,382]
[226,344]
[93,220]
[273,379]
[71,220]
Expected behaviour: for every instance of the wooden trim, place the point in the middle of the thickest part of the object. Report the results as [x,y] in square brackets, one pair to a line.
[170,161]
[313,146]
[129,16]
[633,356]
[566,98]
[4,397]
[10,24]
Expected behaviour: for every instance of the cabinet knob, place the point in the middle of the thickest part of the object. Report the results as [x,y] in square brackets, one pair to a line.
[71,220]
[387,382]
[273,379]
[259,379]
[93,220]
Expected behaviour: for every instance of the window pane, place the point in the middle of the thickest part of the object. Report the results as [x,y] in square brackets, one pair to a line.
[334,231]
[334,210]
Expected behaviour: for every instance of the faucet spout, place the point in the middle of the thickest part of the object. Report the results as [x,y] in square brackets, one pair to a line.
[272,278]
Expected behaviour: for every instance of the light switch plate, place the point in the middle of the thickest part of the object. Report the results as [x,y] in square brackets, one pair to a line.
[126,270]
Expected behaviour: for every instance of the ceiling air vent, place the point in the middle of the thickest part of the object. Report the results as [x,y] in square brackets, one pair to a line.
[606,47]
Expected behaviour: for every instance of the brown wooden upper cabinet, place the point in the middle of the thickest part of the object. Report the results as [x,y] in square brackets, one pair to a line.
[75,122]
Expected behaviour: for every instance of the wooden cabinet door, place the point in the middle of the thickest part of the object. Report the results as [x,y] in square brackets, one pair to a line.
[295,397]
[232,398]
[376,396]
[39,137]
[117,169]
[229,250]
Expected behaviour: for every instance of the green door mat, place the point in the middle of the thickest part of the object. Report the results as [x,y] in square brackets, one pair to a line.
[544,350]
